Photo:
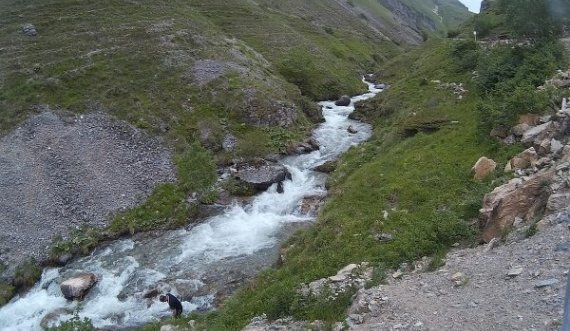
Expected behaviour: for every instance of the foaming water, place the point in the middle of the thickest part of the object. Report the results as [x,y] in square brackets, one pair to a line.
[192,264]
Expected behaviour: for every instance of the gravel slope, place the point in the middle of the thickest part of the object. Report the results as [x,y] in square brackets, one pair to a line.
[489,299]
[60,172]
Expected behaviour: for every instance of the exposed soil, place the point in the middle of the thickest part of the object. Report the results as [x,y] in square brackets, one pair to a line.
[484,297]
[59,172]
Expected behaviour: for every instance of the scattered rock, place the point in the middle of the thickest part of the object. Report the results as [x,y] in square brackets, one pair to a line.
[519,129]
[546,282]
[459,279]
[326,167]
[229,143]
[538,132]
[343,101]
[514,271]
[524,160]
[398,274]
[483,168]
[385,237]
[558,201]
[168,327]
[78,286]
[310,205]
[29,30]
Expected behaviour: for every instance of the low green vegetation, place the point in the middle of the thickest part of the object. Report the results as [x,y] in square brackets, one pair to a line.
[412,179]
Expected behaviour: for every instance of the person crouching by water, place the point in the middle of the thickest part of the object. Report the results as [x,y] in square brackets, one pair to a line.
[173,303]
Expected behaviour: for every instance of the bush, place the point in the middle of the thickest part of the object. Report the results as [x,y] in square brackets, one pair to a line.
[465,54]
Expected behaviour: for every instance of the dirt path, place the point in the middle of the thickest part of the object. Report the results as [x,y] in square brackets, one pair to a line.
[486,297]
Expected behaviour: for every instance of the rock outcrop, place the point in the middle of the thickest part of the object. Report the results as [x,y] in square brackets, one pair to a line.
[261,174]
[78,286]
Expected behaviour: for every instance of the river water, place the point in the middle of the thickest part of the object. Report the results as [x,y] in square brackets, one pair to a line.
[197,262]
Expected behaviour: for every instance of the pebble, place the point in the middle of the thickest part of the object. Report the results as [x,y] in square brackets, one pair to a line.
[546,282]
[515,271]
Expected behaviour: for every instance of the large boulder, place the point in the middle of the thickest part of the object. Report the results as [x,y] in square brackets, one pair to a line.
[261,174]
[516,198]
[304,147]
[483,168]
[78,286]
[343,101]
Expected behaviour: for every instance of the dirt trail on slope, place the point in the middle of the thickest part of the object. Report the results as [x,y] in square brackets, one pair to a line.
[59,173]
[532,298]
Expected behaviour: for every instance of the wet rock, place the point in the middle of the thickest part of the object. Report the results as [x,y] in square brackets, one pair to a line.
[351,130]
[53,317]
[326,167]
[304,147]
[78,286]
[261,174]
[380,86]
[310,205]
[483,168]
[151,293]
[29,30]
[343,101]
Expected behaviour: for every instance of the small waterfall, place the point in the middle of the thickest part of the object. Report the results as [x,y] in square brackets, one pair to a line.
[240,241]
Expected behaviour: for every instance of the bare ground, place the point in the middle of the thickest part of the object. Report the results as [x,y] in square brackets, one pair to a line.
[486,299]
[58,173]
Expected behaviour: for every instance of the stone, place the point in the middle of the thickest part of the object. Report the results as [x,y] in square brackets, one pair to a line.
[78,286]
[556,146]
[558,201]
[343,101]
[53,317]
[524,159]
[514,271]
[168,327]
[29,30]
[229,143]
[326,167]
[519,129]
[351,130]
[538,132]
[261,174]
[563,166]
[398,274]
[309,205]
[64,258]
[298,148]
[483,168]
[380,86]
[459,279]
[546,283]
[384,237]
[491,244]
[543,148]
[514,199]
[356,319]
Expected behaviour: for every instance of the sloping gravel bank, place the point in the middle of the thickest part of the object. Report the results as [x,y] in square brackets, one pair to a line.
[58,173]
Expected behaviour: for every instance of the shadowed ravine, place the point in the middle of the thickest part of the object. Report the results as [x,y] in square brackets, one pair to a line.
[215,256]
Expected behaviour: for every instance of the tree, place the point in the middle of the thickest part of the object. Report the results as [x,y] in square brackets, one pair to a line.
[536,20]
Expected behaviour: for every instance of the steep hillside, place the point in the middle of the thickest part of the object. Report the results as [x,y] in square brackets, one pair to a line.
[214,82]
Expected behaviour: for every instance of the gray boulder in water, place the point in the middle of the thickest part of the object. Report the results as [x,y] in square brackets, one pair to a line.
[261,174]
[343,101]
[78,286]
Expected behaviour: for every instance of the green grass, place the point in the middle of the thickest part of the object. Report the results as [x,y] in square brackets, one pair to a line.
[423,181]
